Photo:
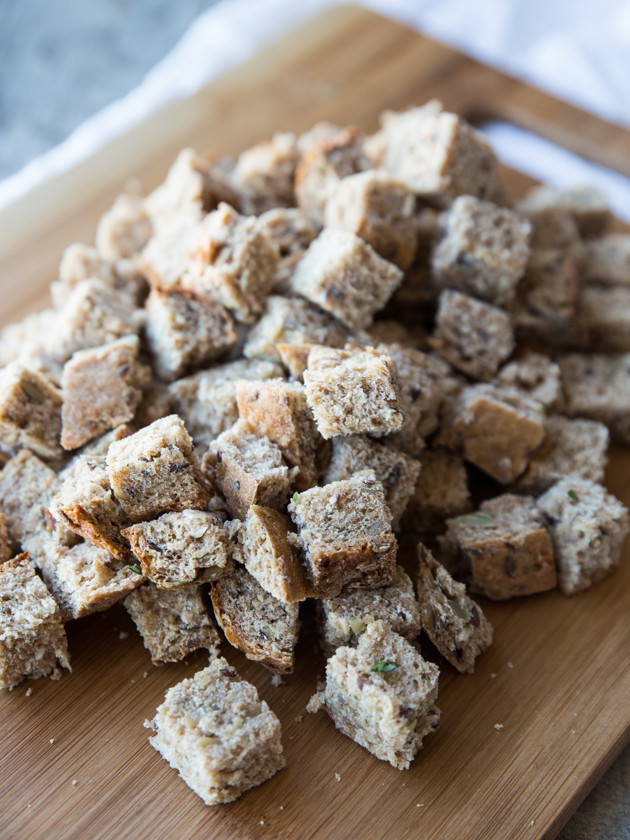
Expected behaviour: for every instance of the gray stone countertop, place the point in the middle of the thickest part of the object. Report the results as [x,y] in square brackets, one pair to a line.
[61,62]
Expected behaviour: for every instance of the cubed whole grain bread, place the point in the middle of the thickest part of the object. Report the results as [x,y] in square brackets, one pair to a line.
[396,471]
[588,526]
[172,622]
[345,535]
[291,231]
[437,154]
[441,491]
[30,412]
[156,470]
[33,640]
[324,162]
[124,229]
[483,251]
[264,174]
[506,546]
[216,732]
[344,276]
[5,547]
[455,624]
[352,391]
[570,447]
[381,694]
[597,387]
[475,337]
[552,227]
[185,330]
[278,410]
[83,262]
[607,260]
[86,505]
[250,470]
[586,205]
[378,208]
[344,618]
[606,312]
[536,375]
[102,388]
[254,621]
[497,429]
[206,401]
[28,341]
[181,548]
[262,544]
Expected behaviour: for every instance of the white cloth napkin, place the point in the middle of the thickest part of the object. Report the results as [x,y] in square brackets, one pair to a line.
[576,49]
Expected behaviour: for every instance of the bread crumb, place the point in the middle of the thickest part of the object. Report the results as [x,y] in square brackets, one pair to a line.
[276,680]
[498,726]
[262,822]
[145,675]
[282,807]
[52,740]
[123,635]
[420,805]
[338,777]
[510,665]
[74,782]
[299,718]
[493,676]
[28,692]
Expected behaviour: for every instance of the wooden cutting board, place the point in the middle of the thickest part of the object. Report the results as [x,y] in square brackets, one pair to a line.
[75,760]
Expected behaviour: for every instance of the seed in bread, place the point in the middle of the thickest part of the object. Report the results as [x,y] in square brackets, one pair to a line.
[156,470]
[344,535]
[455,624]
[33,640]
[173,622]
[344,618]
[262,544]
[344,276]
[396,471]
[30,412]
[185,330]
[441,491]
[216,732]
[536,375]
[588,526]
[570,447]
[102,388]
[474,337]
[180,548]
[352,391]
[262,626]
[506,546]
[381,694]
[483,251]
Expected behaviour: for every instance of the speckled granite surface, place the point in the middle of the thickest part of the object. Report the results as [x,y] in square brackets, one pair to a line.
[61,62]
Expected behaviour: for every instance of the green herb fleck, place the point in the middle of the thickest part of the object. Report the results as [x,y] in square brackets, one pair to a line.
[480,520]
[384,667]
[573,495]
[32,392]
[135,568]
[459,610]
[294,497]
[613,369]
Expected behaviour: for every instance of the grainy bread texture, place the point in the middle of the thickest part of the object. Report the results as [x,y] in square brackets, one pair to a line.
[352,391]
[536,375]
[5,548]
[607,260]
[291,232]
[597,386]
[32,637]
[441,491]
[454,622]
[264,174]
[506,546]
[180,548]
[172,623]
[156,470]
[124,229]
[30,411]
[344,535]
[588,526]
[605,311]
[263,627]
[262,544]
[216,732]
[344,618]
[586,205]
[382,694]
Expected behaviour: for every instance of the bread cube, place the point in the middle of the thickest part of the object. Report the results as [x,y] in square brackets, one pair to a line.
[262,626]
[598,387]
[497,430]
[5,548]
[606,311]
[484,250]
[536,375]
[291,231]
[33,640]
[352,391]
[156,470]
[181,548]
[86,505]
[263,546]
[83,262]
[185,330]
[216,732]
[585,205]
[441,491]
[381,694]
[473,336]
[344,276]
[172,622]
[124,229]
[396,471]
[264,174]
[344,618]
[588,526]
[569,447]
[344,535]
[378,208]
[455,624]
[30,412]
[102,388]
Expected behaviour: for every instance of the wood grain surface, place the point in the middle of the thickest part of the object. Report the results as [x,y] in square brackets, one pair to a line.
[557,677]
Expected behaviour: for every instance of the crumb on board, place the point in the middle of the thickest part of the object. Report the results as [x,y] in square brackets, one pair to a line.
[123,635]
[74,782]
[337,777]
[28,691]
[52,740]
[298,718]
[498,726]
[276,680]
